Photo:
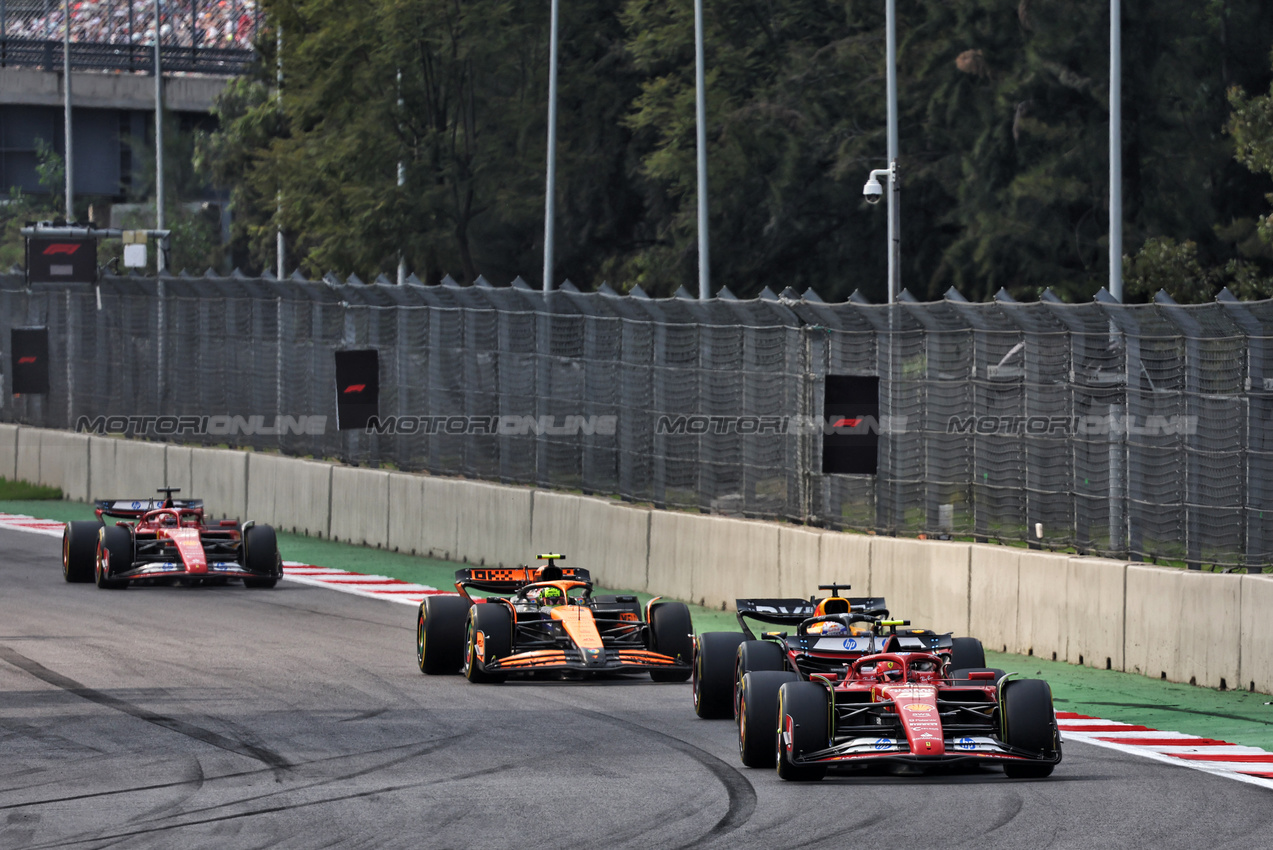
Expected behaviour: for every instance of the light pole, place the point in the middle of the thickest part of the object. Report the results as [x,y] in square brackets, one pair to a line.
[873,190]
[700,97]
[1115,150]
[551,189]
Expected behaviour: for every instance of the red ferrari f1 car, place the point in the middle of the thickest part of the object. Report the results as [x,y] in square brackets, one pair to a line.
[548,621]
[825,635]
[897,706]
[168,540]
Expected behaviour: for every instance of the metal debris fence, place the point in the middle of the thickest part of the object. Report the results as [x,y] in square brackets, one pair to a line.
[1142,431]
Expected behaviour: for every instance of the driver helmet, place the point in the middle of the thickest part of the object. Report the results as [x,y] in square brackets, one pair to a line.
[829,627]
[888,671]
[552,596]
[168,519]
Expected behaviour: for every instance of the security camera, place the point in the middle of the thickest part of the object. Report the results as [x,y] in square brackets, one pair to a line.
[872,191]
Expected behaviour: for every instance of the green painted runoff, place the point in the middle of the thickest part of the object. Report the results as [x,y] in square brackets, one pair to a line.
[1236,716]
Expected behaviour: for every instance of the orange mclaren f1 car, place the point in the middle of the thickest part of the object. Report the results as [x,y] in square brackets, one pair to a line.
[546,620]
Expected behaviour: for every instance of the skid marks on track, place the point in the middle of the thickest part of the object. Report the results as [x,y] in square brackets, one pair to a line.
[738,788]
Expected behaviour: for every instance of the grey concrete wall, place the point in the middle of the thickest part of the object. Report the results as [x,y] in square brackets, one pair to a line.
[93,90]
[1191,626]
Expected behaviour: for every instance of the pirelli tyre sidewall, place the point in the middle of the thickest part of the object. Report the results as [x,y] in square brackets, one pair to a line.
[79,551]
[1030,724]
[440,632]
[261,556]
[714,654]
[803,727]
[754,656]
[488,636]
[758,716]
[114,555]
[672,634]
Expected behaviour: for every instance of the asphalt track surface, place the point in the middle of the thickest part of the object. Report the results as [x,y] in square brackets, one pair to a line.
[295,717]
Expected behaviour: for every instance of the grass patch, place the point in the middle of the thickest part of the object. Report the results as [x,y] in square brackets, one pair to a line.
[15,490]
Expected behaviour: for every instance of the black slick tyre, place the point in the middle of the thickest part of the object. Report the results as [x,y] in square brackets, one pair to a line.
[439,643]
[260,555]
[488,636]
[1029,724]
[672,634]
[754,656]
[713,676]
[967,652]
[803,728]
[114,555]
[79,551]
[758,716]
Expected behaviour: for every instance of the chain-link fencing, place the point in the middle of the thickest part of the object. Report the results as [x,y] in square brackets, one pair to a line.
[1137,431]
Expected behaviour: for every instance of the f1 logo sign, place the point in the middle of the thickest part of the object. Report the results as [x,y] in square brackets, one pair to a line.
[61,248]
[355,388]
[23,361]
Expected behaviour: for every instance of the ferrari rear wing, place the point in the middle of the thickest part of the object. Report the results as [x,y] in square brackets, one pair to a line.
[792,612]
[136,508]
[502,580]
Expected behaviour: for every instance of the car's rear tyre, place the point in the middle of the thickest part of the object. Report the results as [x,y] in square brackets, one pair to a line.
[79,551]
[114,555]
[672,634]
[714,655]
[758,716]
[261,555]
[754,656]
[488,636]
[804,714]
[439,646]
[1029,724]
[966,652]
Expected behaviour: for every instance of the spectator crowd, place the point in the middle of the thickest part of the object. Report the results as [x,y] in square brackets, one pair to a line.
[187,23]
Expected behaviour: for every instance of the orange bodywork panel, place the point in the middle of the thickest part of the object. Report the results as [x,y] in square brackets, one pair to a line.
[579,624]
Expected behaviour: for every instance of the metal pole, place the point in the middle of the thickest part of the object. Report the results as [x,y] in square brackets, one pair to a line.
[402,180]
[161,261]
[894,189]
[66,92]
[1115,150]
[551,189]
[700,86]
[279,244]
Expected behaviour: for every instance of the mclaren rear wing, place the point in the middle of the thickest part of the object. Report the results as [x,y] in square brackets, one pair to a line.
[792,612]
[503,580]
[136,508]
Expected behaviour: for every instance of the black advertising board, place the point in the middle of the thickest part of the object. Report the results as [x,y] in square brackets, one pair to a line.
[30,351]
[357,388]
[61,260]
[851,437]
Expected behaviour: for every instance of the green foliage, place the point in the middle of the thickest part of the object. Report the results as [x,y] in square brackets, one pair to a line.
[25,490]
[1003,143]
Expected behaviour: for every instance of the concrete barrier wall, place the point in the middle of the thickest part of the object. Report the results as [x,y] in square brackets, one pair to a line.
[1184,625]
[924,581]
[493,527]
[841,558]
[360,506]
[9,451]
[27,466]
[993,587]
[219,477]
[1041,600]
[64,463]
[608,538]
[1094,612]
[1208,628]
[1255,643]
[712,560]
[290,494]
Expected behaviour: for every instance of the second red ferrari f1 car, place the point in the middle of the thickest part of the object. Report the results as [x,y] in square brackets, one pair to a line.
[168,540]
[548,621]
